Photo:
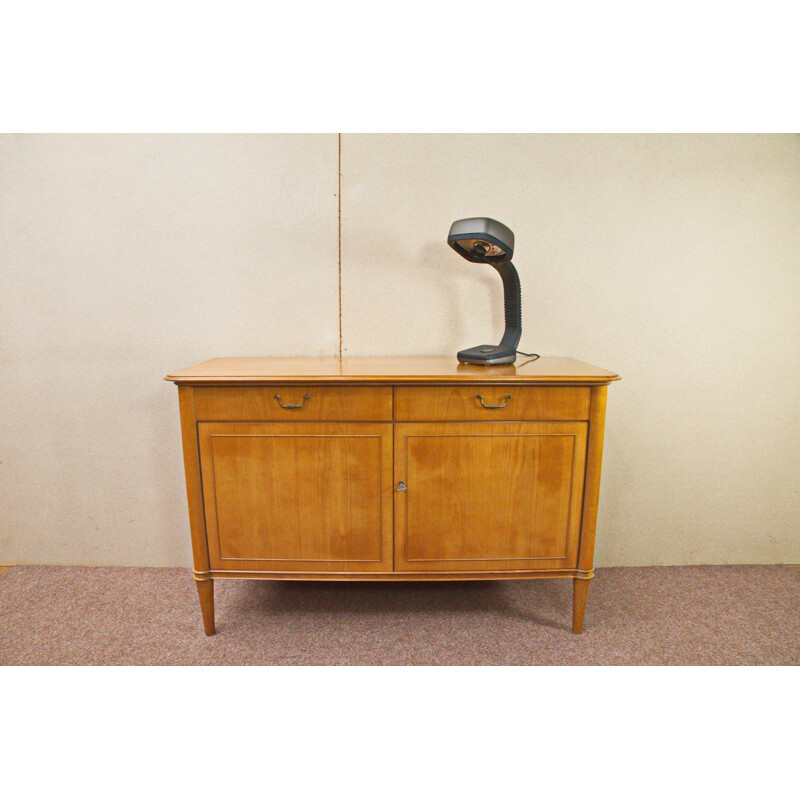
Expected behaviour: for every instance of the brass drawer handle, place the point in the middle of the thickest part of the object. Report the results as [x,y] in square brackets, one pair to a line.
[289,405]
[500,405]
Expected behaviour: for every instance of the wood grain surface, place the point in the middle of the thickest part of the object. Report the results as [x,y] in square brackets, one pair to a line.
[318,403]
[500,496]
[298,495]
[462,403]
[388,370]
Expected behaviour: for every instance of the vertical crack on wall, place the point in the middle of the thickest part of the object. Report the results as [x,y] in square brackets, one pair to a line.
[339,195]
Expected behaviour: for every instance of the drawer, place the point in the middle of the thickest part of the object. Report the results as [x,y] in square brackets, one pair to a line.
[317,403]
[443,403]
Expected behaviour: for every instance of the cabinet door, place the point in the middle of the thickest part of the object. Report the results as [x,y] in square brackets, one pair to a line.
[488,496]
[299,496]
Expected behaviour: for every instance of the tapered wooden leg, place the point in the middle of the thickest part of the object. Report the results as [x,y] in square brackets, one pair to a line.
[580,591]
[205,588]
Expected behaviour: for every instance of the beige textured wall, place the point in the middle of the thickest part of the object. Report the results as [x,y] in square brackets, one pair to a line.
[124,257]
[674,260]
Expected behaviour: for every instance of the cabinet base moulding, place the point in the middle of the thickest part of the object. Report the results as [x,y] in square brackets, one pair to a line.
[473,575]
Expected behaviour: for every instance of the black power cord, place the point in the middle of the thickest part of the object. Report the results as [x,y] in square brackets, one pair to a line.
[532,357]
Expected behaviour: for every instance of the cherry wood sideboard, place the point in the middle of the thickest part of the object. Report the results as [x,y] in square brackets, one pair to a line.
[378,469]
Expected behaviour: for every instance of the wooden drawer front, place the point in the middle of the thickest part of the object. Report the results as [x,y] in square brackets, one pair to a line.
[461,403]
[323,404]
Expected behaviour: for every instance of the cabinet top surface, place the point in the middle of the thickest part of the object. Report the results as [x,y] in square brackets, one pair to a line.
[387,370]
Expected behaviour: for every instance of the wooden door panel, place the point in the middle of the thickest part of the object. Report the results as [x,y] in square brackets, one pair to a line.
[488,496]
[298,496]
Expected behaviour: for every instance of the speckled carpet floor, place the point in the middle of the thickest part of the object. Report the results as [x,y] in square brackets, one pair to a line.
[652,615]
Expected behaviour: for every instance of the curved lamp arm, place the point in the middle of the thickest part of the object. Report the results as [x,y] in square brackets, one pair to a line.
[506,351]
[512,298]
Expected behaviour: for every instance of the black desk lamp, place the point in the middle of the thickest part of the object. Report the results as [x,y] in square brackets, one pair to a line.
[487,241]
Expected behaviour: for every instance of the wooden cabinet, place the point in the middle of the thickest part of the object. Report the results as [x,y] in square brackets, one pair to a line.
[392,469]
